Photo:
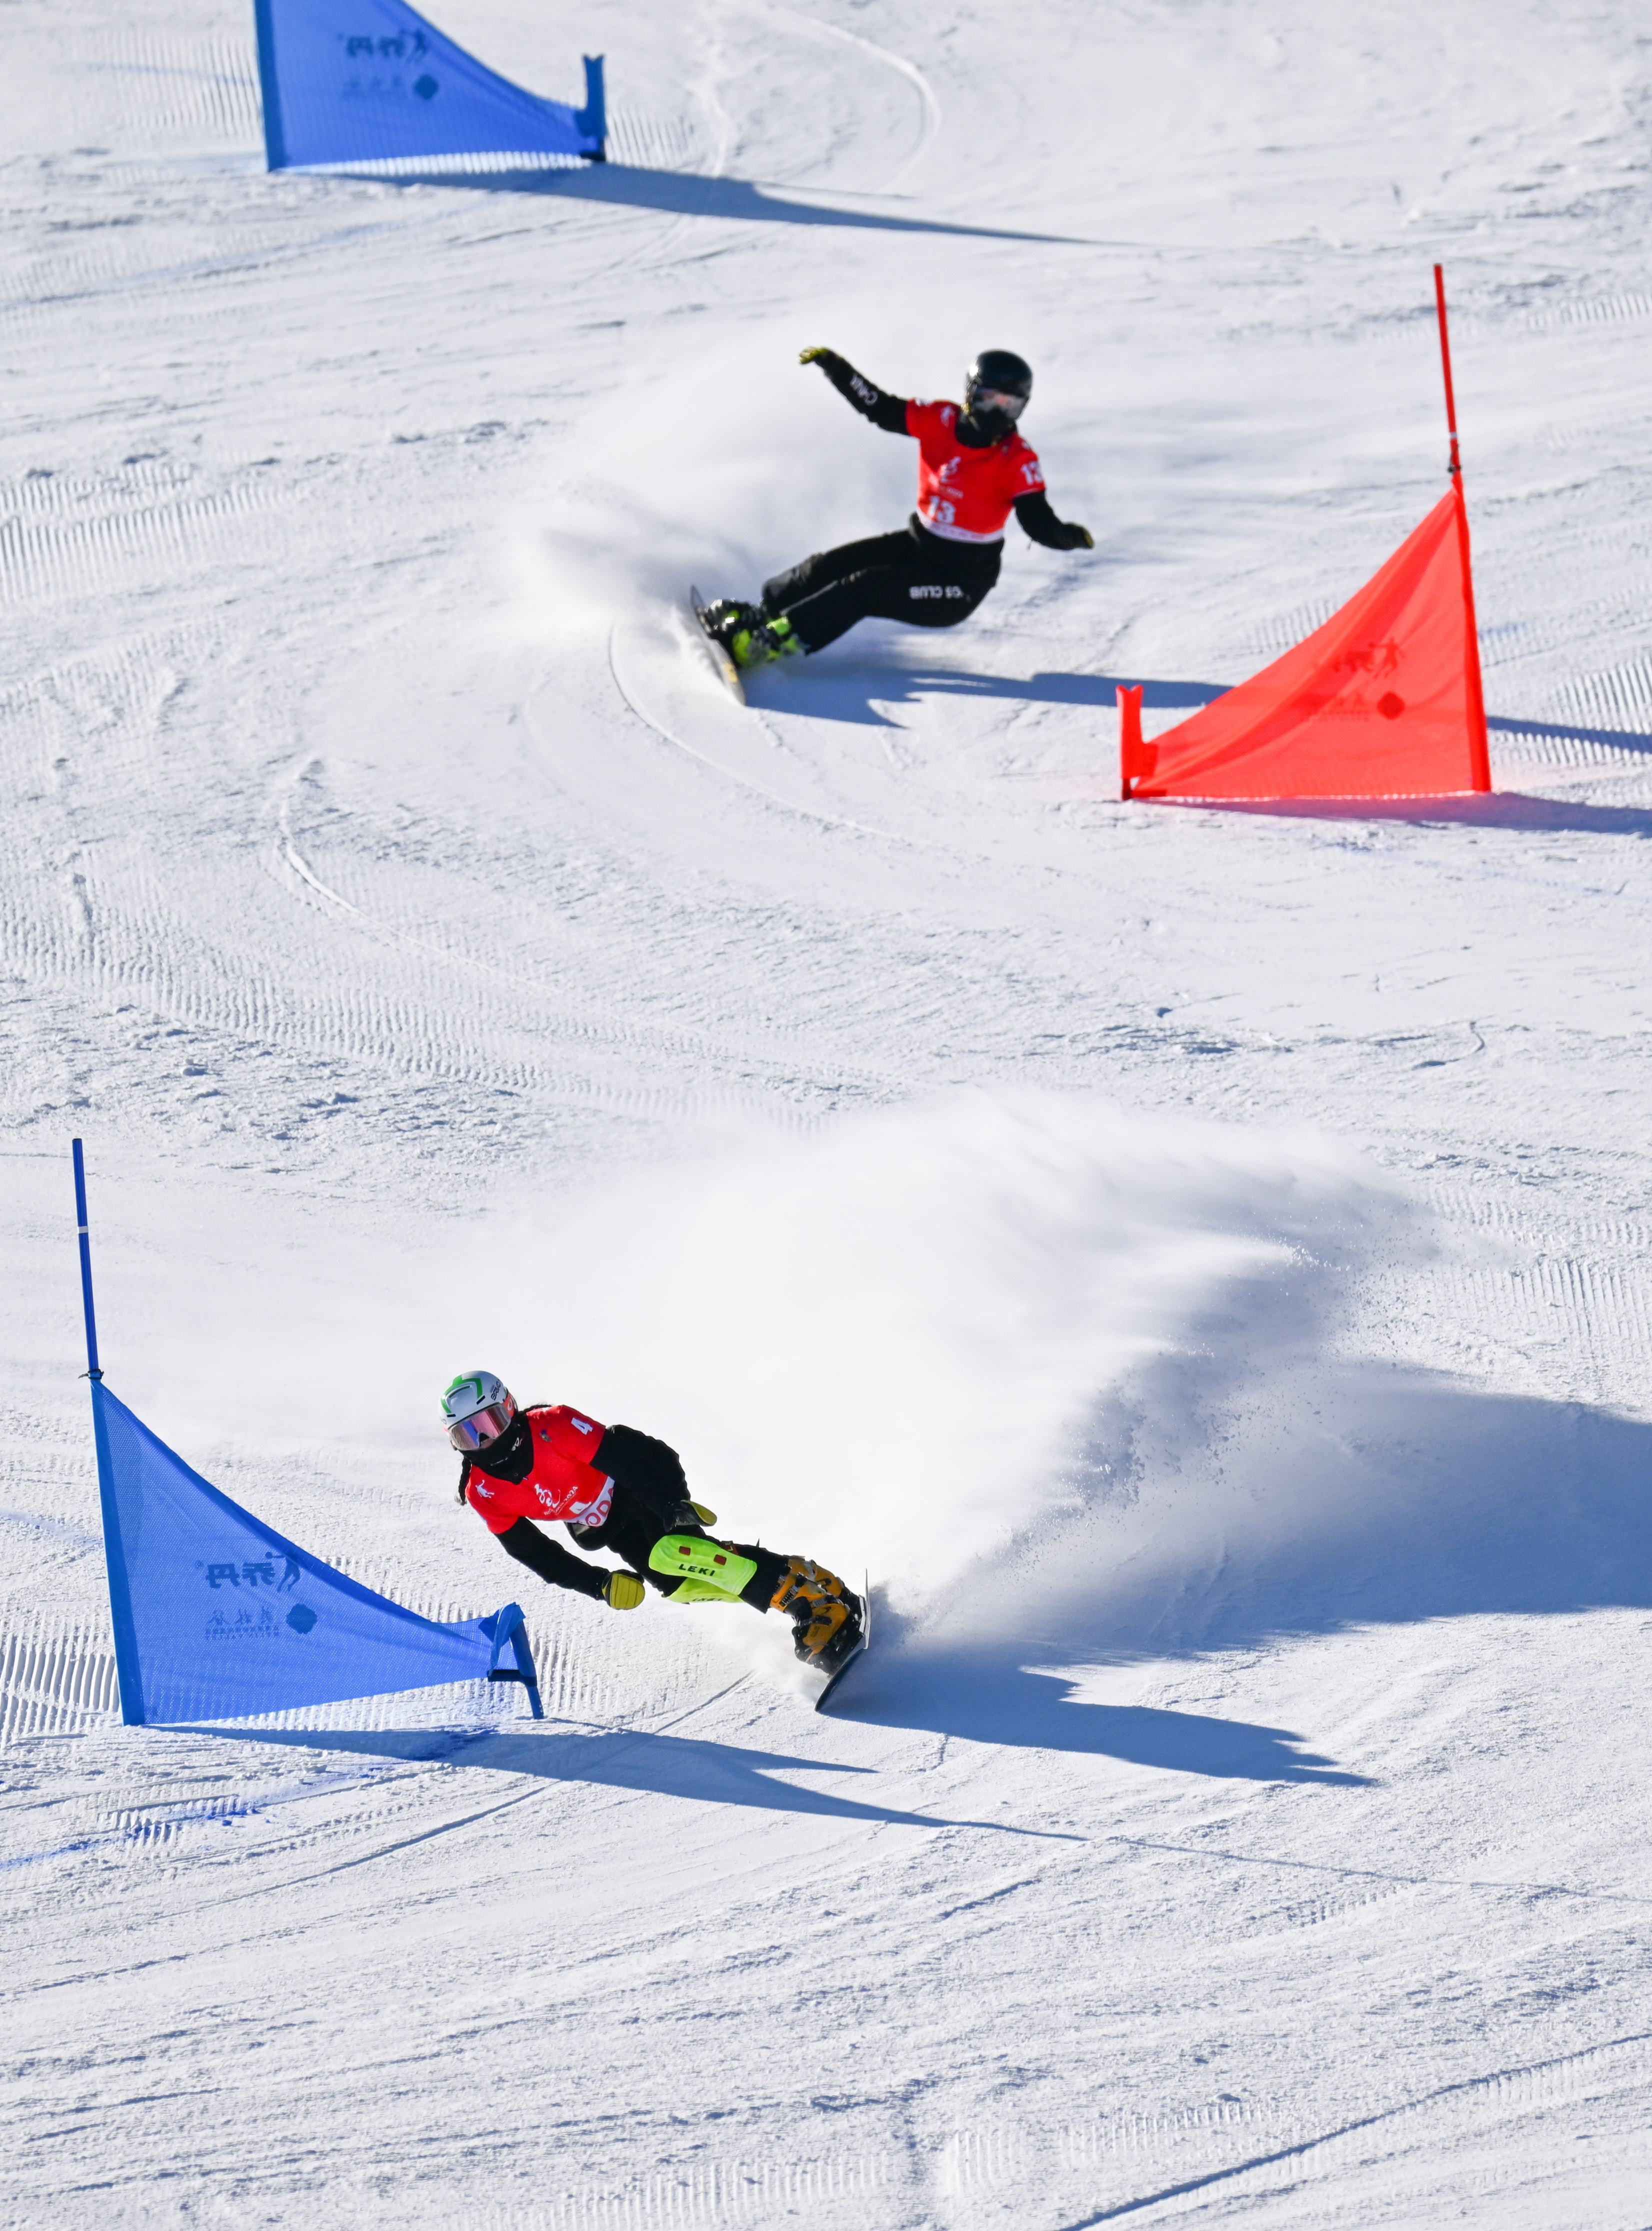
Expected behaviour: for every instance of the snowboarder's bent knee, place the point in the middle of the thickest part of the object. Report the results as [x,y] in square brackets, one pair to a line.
[973,470]
[619,1490]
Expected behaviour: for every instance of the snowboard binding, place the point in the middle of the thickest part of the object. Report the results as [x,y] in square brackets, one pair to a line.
[826,1616]
[748,635]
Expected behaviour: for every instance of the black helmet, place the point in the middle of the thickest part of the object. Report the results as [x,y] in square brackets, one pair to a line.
[1009,379]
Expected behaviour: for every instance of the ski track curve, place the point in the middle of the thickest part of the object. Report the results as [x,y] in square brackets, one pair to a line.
[634,698]
[930,106]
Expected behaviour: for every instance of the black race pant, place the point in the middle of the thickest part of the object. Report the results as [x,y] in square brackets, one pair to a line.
[913,576]
[633,1526]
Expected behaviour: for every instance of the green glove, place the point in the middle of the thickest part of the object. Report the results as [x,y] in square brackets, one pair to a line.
[623,1591]
[812,356]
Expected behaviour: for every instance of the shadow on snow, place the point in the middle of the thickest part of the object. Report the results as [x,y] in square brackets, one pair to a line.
[1621,740]
[660,1765]
[679,193]
[852,690]
[992,1697]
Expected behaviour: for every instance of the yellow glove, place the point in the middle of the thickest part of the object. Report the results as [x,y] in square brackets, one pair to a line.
[812,356]
[706,1517]
[623,1591]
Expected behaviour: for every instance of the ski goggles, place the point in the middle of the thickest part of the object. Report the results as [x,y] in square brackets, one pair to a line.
[481,1426]
[992,398]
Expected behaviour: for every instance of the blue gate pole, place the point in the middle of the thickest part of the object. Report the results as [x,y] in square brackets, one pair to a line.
[125,1640]
[591,121]
[92,1370]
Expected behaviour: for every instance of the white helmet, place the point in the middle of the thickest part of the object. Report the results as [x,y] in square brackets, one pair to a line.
[476,1409]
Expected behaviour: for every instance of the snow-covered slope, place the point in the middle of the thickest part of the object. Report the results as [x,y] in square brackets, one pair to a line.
[1194,1259]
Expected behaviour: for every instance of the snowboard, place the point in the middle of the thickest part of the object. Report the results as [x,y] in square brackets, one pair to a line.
[858,1654]
[728,672]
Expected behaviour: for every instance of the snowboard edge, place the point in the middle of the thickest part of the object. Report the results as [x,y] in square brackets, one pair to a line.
[728,672]
[855,1657]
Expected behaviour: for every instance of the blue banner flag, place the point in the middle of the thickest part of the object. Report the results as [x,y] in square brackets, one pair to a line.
[373,82]
[217,1615]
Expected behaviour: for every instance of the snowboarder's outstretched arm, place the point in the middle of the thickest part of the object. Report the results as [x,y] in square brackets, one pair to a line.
[561,1568]
[1040,522]
[888,411]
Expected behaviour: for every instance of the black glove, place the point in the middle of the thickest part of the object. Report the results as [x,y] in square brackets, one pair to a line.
[1079,538]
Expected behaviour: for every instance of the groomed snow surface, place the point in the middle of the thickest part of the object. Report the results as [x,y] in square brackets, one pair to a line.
[1194,1259]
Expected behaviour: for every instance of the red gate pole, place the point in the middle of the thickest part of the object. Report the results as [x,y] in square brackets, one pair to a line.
[1133,761]
[1455,467]
[1479,750]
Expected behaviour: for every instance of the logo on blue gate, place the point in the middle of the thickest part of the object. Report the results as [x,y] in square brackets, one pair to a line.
[252,1574]
[243,1626]
[397,48]
[246,1625]
[380,54]
[243,1587]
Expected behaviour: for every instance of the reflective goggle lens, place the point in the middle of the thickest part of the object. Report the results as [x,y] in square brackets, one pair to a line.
[479,1428]
[989,398]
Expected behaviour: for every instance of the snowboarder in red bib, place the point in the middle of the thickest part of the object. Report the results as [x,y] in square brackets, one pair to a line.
[619,1490]
[973,470]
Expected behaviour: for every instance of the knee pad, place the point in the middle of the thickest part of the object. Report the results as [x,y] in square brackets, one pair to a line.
[692,1557]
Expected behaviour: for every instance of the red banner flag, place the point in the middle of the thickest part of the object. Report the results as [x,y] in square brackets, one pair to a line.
[1383,700]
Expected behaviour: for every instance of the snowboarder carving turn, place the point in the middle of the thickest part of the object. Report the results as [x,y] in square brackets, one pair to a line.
[616,1489]
[974,469]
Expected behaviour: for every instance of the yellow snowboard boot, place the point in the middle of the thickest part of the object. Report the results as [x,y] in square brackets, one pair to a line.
[825,1614]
